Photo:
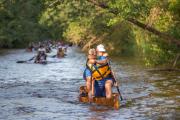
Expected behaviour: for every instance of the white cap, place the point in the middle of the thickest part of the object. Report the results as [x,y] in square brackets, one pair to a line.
[100,48]
[41,50]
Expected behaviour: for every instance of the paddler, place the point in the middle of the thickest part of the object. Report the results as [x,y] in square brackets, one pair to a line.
[41,56]
[60,52]
[101,73]
[87,72]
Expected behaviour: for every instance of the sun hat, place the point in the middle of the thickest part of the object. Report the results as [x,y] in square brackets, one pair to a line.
[100,48]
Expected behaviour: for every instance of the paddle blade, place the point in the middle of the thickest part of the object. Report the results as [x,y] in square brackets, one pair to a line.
[31,59]
[53,56]
[121,98]
[21,62]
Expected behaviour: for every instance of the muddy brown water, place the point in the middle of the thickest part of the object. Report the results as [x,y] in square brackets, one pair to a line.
[50,92]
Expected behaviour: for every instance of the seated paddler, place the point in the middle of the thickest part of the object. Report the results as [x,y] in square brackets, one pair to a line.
[91,58]
[41,56]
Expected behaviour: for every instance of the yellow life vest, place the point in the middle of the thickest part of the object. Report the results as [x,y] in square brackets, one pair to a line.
[99,72]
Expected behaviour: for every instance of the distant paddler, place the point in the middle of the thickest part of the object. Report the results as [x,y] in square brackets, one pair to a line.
[41,56]
[48,49]
[60,52]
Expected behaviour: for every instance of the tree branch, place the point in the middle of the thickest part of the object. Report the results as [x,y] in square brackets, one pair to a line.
[165,36]
[93,41]
[55,2]
[162,35]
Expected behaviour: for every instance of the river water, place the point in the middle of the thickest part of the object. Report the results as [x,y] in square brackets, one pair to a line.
[50,92]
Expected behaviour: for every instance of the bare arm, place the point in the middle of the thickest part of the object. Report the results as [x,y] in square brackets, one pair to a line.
[102,61]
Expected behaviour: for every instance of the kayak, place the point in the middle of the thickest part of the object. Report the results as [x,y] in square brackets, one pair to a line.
[113,102]
[32,62]
[49,60]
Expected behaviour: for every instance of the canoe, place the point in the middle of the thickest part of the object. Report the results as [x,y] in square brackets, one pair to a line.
[113,102]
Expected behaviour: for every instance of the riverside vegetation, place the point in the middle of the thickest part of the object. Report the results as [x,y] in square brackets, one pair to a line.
[140,28]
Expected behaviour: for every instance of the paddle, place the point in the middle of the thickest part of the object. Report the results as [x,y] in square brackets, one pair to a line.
[31,58]
[26,60]
[53,56]
[114,78]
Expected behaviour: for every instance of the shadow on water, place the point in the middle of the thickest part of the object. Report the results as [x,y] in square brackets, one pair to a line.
[32,91]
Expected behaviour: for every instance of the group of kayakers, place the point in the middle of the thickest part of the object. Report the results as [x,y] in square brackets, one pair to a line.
[98,74]
[47,44]
[45,47]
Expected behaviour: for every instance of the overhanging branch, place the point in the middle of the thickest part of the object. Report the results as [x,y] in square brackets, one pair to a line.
[162,35]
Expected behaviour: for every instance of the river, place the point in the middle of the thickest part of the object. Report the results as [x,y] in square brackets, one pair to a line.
[50,92]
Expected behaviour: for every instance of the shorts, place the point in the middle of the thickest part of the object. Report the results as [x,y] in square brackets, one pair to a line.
[99,86]
[87,73]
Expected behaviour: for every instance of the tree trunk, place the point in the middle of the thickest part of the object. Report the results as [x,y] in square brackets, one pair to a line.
[88,45]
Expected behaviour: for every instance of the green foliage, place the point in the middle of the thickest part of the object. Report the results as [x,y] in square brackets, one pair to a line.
[100,22]
[79,21]
[19,22]
[75,33]
[162,15]
[129,8]
[174,6]
[121,40]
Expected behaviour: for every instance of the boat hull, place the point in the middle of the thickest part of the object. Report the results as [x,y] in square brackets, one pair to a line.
[113,102]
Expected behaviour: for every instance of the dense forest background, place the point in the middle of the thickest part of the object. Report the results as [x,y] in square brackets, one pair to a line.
[149,29]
